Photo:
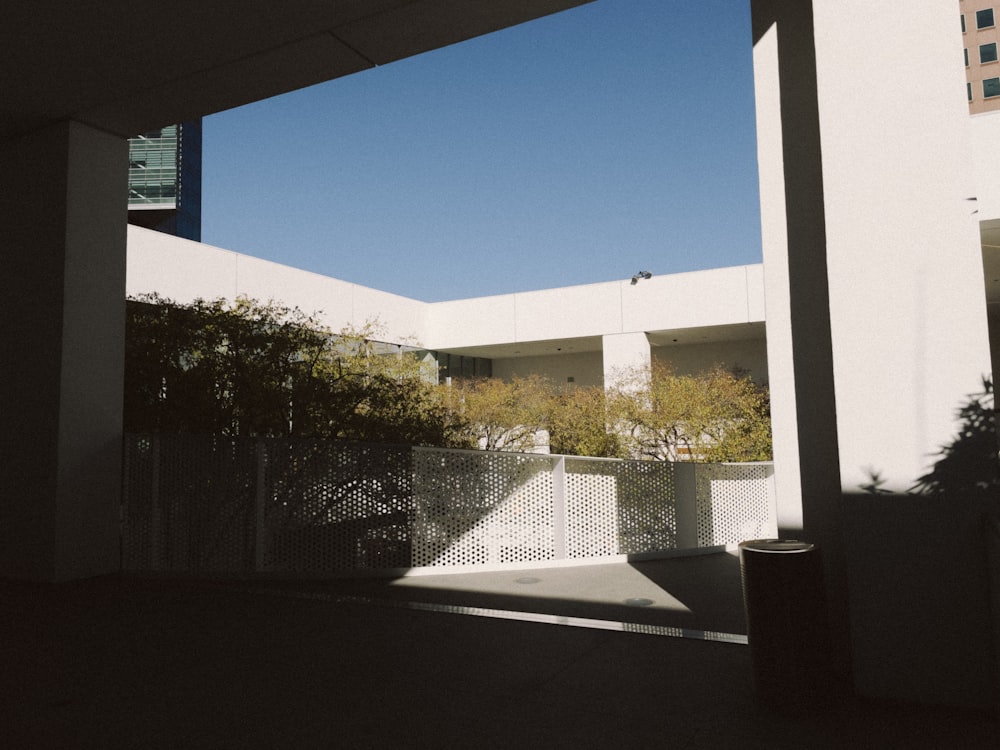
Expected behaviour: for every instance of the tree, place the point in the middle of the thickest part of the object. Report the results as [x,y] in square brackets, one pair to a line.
[211,367]
[716,415]
[253,368]
[501,415]
[578,424]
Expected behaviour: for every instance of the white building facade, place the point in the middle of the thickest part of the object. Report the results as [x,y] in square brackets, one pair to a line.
[873,277]
[580,335]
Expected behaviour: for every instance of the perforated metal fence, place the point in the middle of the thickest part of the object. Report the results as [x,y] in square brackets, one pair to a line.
[188,504]
[474,507]
[619,507]
[735,503]
[262,505]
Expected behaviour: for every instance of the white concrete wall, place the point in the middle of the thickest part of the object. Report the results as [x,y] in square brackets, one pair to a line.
[908,320]
[702,298]
[892,232]
[689,300]
[876,322]
[908,312]
[586,368]
[485,320]
[161,263]
[774,236]
[568,312]
[750,354]
[985,133]
[623,353]
[183,270]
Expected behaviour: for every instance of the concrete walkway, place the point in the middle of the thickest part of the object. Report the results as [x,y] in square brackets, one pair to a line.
[130,663]
[695,593]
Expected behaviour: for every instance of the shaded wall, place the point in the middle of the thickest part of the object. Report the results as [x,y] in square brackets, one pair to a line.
[750,355]
[62,230]
[875,305]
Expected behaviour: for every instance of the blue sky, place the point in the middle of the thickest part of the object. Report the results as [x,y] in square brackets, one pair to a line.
[575,149]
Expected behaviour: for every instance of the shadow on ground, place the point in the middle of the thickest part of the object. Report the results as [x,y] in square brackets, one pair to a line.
[700,592]
[125,663]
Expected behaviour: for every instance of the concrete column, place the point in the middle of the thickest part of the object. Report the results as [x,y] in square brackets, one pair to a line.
[875,301]
[774,234]
[624,352]
[62,229]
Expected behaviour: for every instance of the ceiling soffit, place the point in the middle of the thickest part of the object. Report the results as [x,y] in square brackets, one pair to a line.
[131,66]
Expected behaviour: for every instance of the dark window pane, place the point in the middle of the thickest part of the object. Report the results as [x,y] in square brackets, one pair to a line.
[966,57]
[991,87]
[984,18]
[988,52]
[968,90]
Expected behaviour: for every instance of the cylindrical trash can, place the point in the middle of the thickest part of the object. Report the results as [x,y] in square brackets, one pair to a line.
[787,621]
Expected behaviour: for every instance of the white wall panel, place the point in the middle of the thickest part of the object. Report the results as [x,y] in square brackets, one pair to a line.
[683,300]
[178,269]
[183,270]
[486,320]
[586,368]
[688,360]
[985,133]
[569,312]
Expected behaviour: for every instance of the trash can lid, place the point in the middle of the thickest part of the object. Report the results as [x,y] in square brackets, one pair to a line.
[777,545]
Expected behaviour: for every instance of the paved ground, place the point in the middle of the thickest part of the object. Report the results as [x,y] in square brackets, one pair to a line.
[699,592]
[128,663]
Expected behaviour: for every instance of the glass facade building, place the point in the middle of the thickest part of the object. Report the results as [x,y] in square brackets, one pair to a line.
[164,180]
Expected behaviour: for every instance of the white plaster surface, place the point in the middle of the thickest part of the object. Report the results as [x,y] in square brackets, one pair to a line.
[748,354]
[907,305]
[774,236]
[726,296]
[586,368]
[985,133]
[183,270]
[624,352]
[687,300]
[486,320]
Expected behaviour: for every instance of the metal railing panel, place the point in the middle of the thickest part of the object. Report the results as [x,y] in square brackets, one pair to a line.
[217,504]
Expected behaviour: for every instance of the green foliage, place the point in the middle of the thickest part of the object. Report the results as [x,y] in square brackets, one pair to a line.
[967,467]
[252,368]
[510,415]
[501,415]
[578,425]
[716,415]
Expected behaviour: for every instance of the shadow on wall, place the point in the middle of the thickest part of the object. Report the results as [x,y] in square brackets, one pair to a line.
[968,466]
[229,504]
[924,594]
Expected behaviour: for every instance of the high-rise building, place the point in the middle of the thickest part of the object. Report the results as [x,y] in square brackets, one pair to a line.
[982,68]
[164,180]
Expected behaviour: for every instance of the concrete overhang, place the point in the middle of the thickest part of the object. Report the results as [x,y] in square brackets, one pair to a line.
[514,350]
[755,331]
[722,304]
[127,67]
